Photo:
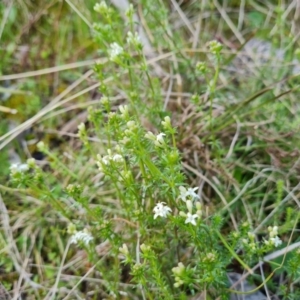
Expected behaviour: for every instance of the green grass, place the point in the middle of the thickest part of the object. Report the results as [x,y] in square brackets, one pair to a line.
[233,134]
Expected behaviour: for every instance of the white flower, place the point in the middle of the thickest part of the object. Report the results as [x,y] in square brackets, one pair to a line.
[124,249]
[131,125]
[191,192]
[160,138]
[105,159]
[124,111]
[161,210]
[118,158]
[273,231]
[115,51]
[108,159]
[149,135]
[133,39]
[81,127]
[18,168]
[179,269]
[157,139]
[100,7]
[191,218]
[81,236]
[186,193]
[166,123]
[276,241]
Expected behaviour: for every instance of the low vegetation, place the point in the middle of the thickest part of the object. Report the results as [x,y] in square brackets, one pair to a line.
[149,151]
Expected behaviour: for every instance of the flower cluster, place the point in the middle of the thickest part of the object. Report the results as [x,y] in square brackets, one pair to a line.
[134,39]
[124,111]
[18,168]
[274,240]
[215,47]
[124,250]
[157,139]
[166,123]
[188,194]
[190,217]
[82,133]
[115,52]
[178,273]
[161,210]
[108,159]
[81,237]
[201,67]
[101,7]
[251,242]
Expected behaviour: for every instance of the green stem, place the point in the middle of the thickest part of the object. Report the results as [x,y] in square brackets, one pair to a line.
[233,253]
[211,96]
[56,160]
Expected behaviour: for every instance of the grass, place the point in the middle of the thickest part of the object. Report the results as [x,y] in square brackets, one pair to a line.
[232,133]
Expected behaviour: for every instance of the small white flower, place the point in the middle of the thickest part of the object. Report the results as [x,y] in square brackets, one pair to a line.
[124,249]
[105,159]
[276,241]
[115,51]
[124,111]
[100,7]
[160,138]
[81,236]
[166,123]
[23,168]
[273,231]
[149,135]
[188,193]
[131,125]
[192,194]
[19,168]
[179,269]
[191,219]
[81,127]
[161,210]
[133,39]
[118,158]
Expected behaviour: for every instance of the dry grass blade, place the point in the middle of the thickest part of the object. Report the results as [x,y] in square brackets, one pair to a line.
[49,70]
[54,104]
